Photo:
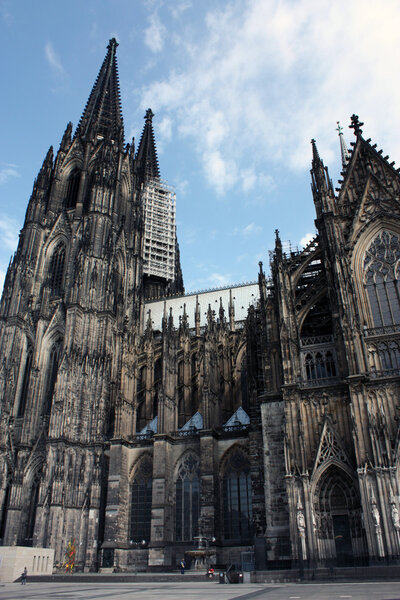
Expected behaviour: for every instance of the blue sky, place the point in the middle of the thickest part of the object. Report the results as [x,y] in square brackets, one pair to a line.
[238,90]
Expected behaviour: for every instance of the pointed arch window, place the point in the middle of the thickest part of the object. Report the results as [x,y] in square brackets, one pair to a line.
[187,499]
[72,189]
[52,370]
[157,384]
[4,512]
[31,512]
[141,398]
[195,385]
[381,279]
[25,382]
[243,383]
[237,498]
[141,500]
[56,270]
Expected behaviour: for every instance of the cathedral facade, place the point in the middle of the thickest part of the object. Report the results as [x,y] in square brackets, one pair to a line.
[257,424]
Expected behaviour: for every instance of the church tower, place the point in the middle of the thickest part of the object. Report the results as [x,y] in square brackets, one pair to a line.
[69,314]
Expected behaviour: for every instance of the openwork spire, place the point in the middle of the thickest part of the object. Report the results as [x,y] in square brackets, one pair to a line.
[102,115]
[343,148]
[146,157]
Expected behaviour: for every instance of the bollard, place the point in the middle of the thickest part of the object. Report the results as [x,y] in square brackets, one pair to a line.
[221,577]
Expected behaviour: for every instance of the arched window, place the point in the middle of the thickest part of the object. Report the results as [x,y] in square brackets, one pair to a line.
[237,499]
[72,189]
[25,382]
[56,270]
[4,512]
[180,395]
[157,384]
[141,398]
[141,499]
[381,279]
[195,385]
[243,383]
[187,500]
[31,512]
[51,377]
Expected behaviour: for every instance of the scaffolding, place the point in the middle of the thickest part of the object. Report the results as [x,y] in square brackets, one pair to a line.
[159,204]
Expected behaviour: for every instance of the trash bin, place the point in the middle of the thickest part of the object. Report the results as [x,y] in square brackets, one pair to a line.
[240,578]
[221,578]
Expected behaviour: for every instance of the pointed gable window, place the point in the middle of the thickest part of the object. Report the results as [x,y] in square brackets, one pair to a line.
[72,189]
[56,270]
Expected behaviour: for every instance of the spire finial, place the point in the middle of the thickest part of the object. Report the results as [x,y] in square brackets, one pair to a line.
[343,148]
[149,115]
[356,125]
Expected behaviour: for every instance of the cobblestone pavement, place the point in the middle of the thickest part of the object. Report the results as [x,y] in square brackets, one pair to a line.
[201,591]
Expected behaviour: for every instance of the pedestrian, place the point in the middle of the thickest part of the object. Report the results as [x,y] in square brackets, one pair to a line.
[24,575]
[183,566]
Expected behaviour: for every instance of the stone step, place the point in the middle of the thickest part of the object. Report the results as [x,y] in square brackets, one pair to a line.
[122,577]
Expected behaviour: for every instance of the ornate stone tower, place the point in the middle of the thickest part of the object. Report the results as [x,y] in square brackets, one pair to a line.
[72,293]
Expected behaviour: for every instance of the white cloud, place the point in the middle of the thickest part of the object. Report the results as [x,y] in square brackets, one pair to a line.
[219,279]
[154,35]
[281,79]
[179,8]
[53,59]
[306,239]
[250,229]
[9,231]
[7,172]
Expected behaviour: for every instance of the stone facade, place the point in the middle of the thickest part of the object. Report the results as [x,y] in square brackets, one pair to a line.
[269,438]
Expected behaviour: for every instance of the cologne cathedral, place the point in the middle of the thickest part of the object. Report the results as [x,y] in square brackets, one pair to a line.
[258,422]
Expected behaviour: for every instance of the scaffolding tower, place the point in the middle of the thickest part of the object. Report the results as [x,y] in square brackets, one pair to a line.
[159,204]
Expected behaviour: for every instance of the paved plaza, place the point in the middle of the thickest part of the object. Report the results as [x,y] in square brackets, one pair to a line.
[201,591]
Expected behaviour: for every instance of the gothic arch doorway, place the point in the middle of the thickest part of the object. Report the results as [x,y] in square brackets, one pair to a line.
[340,535]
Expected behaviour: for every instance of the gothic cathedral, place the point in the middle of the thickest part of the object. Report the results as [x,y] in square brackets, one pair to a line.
[256,423]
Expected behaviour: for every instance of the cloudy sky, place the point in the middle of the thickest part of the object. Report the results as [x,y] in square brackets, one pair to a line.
[238,89]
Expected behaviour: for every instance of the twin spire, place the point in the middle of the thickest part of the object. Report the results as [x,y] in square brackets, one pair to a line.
[102,116]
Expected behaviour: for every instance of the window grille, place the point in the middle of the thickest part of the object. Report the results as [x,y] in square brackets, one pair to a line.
[141,500]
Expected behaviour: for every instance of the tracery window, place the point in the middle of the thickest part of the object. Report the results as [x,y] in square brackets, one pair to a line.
[237,499]
[141,500]
[25,382]
[56,270]
[381,279]
[320,364]
[72,189]
[187,501]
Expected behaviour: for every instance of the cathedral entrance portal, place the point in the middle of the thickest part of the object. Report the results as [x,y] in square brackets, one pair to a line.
[342,534]
[339,531]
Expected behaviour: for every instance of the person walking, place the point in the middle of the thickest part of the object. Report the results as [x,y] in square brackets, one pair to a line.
[183,566]
[24,576]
